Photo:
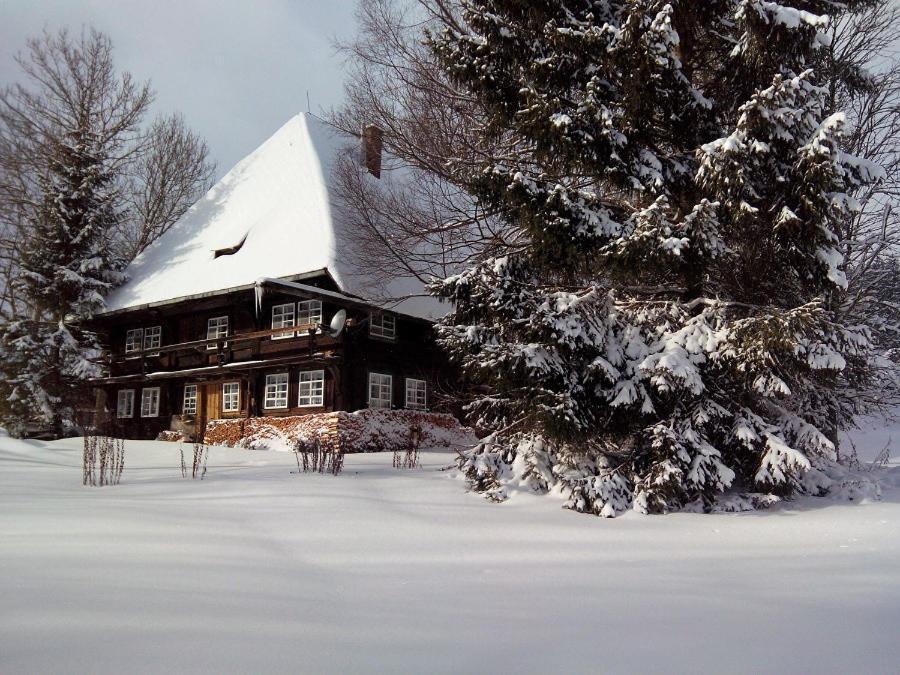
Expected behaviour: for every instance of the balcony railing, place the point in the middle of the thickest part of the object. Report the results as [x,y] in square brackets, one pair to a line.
[224,343]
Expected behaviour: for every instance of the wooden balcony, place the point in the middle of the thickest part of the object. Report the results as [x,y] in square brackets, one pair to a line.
[240,351]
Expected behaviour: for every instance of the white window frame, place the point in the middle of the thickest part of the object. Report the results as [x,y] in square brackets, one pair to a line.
[383,325]
[312,389]
[150,401]
[127,410]
[283,320]
[418,387]
[276,393]
[226,408]
[381,384]
[153,339]
[309,312]
[189,402]
[134,340]
[214,326]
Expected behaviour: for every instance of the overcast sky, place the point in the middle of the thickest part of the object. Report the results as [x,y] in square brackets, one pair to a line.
[237,70]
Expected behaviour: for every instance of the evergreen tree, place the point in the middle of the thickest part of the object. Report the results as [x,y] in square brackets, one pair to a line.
[66,266]
[83,187]
[661,329]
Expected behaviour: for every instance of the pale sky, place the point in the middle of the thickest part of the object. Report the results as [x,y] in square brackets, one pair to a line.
[236,70]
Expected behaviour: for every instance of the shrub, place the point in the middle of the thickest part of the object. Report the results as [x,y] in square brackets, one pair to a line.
[103,460]
[198,462]
[313,456]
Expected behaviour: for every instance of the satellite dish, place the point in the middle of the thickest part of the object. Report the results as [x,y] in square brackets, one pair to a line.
[338,321]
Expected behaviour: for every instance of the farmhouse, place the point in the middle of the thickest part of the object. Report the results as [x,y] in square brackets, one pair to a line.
[249,306]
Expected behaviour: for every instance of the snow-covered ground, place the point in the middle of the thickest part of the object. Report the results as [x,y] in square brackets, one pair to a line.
[255,569]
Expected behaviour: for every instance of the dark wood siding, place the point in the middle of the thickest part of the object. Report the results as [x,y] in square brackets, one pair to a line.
[347,361]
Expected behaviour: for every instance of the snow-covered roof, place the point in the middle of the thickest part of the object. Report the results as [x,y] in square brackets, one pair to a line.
[277,206]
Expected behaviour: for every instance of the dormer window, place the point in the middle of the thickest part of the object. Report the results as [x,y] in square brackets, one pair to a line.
[229,250]
[383,325]
[133,340]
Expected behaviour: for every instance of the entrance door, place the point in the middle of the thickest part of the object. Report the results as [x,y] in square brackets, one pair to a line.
[214,401]
[209,405]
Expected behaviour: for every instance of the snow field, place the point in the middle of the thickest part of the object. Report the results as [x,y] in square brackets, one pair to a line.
[256,569]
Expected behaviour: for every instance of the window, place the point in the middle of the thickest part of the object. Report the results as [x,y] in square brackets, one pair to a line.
[125,403]
[231,397]
[415,393]
[309,312]
[190,400]
[276,391]
[153,339]
[283,317]
[383,325]
[312,388]
[380,387]
[150,402]
[217,327]
[133,340]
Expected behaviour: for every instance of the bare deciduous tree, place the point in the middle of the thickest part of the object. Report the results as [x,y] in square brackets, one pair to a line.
[864,46]
[414,221]
[71,82]
[169,175]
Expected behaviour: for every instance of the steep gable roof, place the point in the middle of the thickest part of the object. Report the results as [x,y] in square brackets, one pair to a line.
[272,215]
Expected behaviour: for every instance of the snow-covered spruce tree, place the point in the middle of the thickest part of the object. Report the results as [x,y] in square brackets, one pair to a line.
[661,329]
[65,268]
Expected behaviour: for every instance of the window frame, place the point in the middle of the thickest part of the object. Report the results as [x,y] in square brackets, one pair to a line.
[377,328]
[225,396]
[424,391]
[157,334]
[390,389]
[152,412]
[184,399]
[311,385]
[276,397]
[293,323]
[136,345]
[312,311]
[217,335]
[119,406]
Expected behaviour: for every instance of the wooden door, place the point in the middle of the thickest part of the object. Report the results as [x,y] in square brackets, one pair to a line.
[209,406]
[213,401]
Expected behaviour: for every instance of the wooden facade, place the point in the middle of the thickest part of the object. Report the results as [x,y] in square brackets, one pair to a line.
[239,353]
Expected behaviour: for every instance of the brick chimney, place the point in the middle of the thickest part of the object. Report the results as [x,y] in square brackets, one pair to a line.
[371,149]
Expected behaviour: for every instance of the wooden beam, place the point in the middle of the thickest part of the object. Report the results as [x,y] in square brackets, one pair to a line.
[215,371]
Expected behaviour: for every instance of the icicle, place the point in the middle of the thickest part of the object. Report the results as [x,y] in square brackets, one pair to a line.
[259,291]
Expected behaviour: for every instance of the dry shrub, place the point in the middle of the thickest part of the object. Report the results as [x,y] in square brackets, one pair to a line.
[409,458]
[313,456]
[198,461]
[103,460]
